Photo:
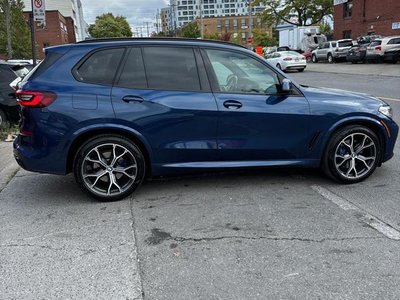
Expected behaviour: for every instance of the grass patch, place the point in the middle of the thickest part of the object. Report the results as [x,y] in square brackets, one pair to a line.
[8,129]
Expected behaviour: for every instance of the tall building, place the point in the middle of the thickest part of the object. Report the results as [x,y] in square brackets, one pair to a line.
[67,8]
[165,17]
[185,11]
[353,18]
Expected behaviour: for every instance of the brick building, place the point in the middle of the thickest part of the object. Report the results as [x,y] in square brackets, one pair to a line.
[237,26]
[353,18]
[58,30]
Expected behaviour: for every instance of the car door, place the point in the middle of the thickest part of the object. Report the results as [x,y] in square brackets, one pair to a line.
[163,93]
[256,121]
[322,53]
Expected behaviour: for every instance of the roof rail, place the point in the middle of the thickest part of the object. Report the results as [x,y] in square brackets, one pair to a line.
[95,40]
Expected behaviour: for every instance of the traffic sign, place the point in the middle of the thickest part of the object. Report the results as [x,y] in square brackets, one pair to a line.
[39,12]
[249,40]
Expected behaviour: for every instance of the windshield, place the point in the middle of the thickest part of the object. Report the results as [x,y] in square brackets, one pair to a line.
[345,44]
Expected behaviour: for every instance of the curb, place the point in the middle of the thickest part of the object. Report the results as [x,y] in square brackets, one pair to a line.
[7,174]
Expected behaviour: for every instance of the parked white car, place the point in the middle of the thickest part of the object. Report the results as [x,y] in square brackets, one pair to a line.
[376,50]
[288,60]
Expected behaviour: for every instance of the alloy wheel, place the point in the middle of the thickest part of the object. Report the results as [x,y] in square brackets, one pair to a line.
[109,169]
[355,155]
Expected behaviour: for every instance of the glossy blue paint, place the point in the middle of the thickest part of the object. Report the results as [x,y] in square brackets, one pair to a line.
[183,130]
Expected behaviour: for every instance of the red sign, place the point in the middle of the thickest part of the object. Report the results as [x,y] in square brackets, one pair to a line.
[38,3]
[249,40]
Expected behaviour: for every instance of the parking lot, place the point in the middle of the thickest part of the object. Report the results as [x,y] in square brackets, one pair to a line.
[265,234]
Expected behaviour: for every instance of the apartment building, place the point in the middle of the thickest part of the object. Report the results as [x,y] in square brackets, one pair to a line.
[185,11]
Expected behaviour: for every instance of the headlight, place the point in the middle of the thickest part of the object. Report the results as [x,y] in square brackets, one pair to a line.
[386,110]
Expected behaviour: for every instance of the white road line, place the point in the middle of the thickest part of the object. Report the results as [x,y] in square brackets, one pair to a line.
[363,216]
[389,99]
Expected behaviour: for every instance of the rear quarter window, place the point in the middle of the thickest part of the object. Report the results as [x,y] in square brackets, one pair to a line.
[100,67]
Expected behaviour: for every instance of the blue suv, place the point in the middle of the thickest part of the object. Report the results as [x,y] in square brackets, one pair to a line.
[115,111]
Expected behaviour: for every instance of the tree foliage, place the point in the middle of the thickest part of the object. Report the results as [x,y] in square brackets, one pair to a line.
[296,12]
[107,25]
[191,30]
[19,30]
[262,38]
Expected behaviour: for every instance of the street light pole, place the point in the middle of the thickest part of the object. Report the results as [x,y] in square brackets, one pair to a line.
[33,40]
[250,20]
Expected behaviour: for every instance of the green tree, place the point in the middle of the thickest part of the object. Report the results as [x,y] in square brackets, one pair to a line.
[14,30]
[296,12]
[107,25]
[191,30]
[262,38]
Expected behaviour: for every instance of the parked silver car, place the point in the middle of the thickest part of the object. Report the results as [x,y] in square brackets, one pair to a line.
[332,51]
[376,50]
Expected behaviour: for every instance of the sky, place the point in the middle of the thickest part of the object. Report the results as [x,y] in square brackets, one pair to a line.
[137,12]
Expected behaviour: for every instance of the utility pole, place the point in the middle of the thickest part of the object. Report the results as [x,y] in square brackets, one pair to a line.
[147,27]
[201,20]
[33,40]
[7,12]
[250,21]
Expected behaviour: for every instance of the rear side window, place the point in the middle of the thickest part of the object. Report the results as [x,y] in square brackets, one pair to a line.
[345,44]
[394,41]
[171,68]
[100,67]
[133,74]
[375,43]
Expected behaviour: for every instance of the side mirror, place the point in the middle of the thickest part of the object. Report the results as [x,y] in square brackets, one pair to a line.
[286,85]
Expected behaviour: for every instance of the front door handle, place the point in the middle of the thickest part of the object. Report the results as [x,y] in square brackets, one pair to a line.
[232,104]
[130,98]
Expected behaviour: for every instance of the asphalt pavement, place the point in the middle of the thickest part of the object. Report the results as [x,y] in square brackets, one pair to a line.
[265,234]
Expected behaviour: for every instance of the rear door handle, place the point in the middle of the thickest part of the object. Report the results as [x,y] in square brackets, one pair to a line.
[232,104]
[130,98]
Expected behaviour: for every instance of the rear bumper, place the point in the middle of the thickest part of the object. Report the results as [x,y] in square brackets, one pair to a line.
[37,159]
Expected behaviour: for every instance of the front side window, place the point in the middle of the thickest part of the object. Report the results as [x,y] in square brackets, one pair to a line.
[238,73]
[100,67]
[171,68]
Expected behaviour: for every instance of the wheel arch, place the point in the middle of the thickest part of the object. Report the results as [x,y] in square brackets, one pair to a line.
[84,134]
[370,123]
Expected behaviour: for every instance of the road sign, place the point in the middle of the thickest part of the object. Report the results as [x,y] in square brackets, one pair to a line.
[39,12]
[249,40]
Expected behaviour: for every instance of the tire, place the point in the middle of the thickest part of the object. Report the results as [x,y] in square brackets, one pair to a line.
[352,164]
[279,66]
[314,58]
[330,58]
[109,167]
[308,59]
[3,119]
[301,70]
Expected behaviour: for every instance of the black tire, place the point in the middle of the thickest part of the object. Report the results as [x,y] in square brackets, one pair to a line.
[120,176]
[308,59]
[301,70]
[331,161]
[314,58]
[330,59]
[3,119]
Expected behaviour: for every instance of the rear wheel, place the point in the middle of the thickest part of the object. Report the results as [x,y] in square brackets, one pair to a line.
[314,58]
[330,58]
[109,167]
[352,154]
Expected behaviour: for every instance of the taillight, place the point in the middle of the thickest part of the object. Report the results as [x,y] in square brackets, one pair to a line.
[379,48]
[35,98]
[287,58]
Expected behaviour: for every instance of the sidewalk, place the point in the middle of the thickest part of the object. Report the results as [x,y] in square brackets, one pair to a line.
[357,69]
[8,165]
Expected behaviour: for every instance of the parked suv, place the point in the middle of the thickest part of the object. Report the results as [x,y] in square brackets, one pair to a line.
[115,111]
[376,50]
[332,51]
[9,108]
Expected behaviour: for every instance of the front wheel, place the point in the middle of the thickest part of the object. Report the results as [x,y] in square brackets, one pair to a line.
[3,119]
[352,154]
[330,59]
[109,167]
[314,58]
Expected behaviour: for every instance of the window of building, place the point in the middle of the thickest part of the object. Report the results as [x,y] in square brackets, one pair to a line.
[161,62]
[348,9]
[235,23]
[227,23]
